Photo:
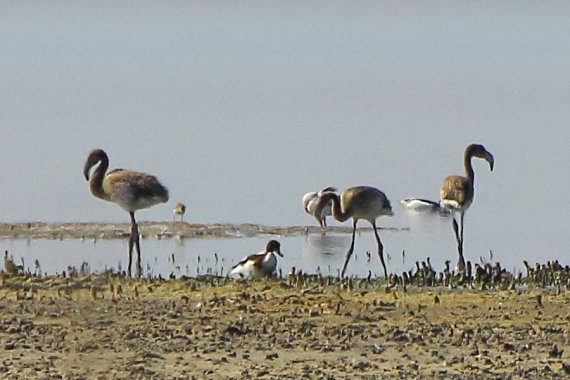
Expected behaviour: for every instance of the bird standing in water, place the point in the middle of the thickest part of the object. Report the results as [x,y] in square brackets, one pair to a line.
[360,202]
[457,192]
[129,189]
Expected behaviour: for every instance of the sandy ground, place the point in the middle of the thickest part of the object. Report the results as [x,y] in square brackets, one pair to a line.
[101,326]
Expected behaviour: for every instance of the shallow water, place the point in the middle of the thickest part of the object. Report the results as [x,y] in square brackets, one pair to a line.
[241,109]
[311,253]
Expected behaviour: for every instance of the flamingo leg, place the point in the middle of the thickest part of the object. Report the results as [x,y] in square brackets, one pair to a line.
[461,263]
[138,247]
[135,240]
[320,220]
[459,239]
[461,225]
[131,242]
[380,249]
[322,223]
[350,250]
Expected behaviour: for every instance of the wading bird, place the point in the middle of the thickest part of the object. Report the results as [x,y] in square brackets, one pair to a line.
[310,201]
[423,205]
[179,209]
[419,204]
[360,202]
[261,264]
[129,189]
[456,194]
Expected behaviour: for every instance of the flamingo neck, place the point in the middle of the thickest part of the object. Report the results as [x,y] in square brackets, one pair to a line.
[337,211]
[469,173]
[96,180]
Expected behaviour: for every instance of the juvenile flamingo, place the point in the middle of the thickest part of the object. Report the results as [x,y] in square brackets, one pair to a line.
[129,189]
[360,202]
[456,193]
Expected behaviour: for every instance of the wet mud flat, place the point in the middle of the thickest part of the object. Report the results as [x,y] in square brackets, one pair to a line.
[158,230]
[104,326]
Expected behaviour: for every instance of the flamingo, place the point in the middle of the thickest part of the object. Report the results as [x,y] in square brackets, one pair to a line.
[129,189]
[456,193]
[360,202]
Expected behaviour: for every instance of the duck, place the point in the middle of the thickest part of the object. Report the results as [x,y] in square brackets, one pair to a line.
[259,265]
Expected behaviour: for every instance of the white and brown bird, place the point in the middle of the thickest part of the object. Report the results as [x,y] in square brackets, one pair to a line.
[129,189]
[261,264]
[457,192]
[179,210]
[310,201]
[360,202]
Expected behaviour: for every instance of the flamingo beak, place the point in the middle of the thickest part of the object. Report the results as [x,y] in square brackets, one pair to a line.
[491,160]
[91,161]
[86,169]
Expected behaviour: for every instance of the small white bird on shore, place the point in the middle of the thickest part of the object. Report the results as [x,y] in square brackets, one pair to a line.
[259,265]
[310,201]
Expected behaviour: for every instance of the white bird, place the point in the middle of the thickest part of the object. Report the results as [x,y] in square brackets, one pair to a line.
[420,205]
[259,265]
[310,201]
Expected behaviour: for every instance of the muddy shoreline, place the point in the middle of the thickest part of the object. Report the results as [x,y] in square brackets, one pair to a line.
[105,326]
[157,230]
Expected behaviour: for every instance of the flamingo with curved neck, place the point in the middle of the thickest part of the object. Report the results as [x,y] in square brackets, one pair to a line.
[457,193]
[360,202]
[129,189]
